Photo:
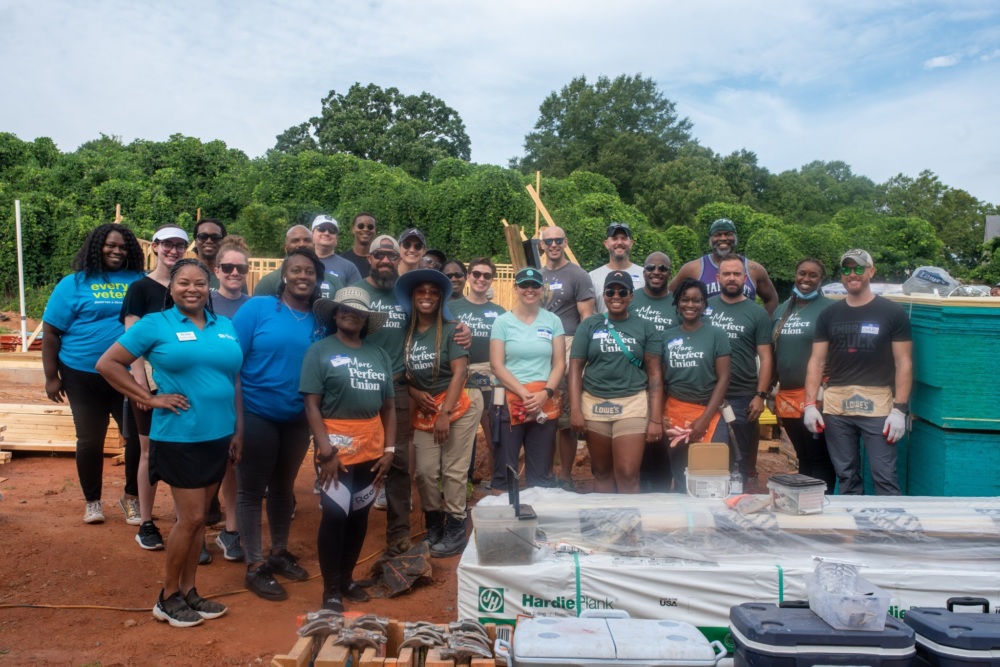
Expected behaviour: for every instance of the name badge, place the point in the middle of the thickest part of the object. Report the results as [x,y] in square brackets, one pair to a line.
[599,334]
[871,329]
[490,313]
[545,333]
[340,360]
[186,335]
[555,284]
[708,311]
[675,342]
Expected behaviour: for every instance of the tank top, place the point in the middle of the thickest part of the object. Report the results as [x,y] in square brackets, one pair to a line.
[710,276]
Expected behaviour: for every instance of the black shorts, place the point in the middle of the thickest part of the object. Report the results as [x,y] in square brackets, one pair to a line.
[188,465]
[143,418]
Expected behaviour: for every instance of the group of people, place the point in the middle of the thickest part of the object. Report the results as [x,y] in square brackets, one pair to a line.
[393,348]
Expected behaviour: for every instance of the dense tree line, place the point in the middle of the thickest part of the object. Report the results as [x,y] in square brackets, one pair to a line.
[614,150]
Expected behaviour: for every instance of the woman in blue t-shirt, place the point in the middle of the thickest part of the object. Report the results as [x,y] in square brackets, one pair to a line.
[274,333]
[197,425]
[79,324]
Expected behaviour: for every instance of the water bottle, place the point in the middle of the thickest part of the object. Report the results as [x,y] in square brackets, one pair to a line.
[542,417]
[735,483]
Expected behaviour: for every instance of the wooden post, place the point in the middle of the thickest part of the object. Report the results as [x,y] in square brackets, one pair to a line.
[198,215]
[118,214]
[538,189]
[548,218]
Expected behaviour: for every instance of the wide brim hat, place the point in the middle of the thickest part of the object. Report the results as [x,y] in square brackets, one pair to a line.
[408,282]
[352,297]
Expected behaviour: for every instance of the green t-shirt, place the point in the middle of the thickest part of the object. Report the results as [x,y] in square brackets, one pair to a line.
[528,347]
[421,354]
[391,336]
[268,285]
[748,326]
[796,339]
[659,310]
[480,319]
[689,358]
[608,373]
[354,382]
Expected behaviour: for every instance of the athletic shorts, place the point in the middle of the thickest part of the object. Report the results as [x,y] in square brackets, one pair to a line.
[188,465]
[629,426]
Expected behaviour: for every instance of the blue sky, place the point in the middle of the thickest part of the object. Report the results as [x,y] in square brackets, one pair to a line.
[888,87]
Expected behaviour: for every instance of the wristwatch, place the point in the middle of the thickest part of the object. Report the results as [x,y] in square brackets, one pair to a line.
[902,407]
[762,394]
[321,459]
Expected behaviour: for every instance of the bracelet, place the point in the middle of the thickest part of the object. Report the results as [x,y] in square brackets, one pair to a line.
[809,404]
[549,391]
[657,423]
[322,460]
[447,412]
[389,450]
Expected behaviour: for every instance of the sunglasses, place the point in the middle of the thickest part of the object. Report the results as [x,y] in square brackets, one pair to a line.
[412,245]
[204,236]
[361,226]
[558,241]
[531,284]
[180,246]
[857,270]
[229,268]
[385,254]
[455,276]
[328,229]
[612,292]
[652,268]
[482,275]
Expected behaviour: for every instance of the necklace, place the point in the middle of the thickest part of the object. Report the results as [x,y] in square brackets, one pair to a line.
[293,311]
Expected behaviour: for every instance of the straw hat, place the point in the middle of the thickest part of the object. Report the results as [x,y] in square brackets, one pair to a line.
[352,297]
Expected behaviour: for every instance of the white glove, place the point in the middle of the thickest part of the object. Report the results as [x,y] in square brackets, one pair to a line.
[895,426]
[813,420]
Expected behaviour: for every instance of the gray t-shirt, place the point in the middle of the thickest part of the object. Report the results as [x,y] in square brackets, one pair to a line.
[342,268]
[600,273]
[567,285]
[223,305]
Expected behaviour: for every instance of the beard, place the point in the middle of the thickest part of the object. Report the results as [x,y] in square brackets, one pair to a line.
[724,252]
[384,279]
[657,290]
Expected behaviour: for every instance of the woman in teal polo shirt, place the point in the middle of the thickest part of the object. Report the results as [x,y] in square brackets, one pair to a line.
[79,324]
[196,425]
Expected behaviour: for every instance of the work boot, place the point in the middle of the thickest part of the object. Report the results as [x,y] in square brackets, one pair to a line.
[435,527]
[454,539]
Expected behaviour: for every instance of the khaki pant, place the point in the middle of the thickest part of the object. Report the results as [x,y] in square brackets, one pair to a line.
[447,462]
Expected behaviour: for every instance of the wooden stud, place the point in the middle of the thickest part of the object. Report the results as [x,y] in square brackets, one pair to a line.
[299,656]
[548,218]
[118,214]
[406,658]
[434,659]
[538,188]
[333,656]
[369,658]
[394,635]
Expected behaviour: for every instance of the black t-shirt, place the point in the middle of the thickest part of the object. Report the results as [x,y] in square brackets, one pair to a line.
[357,260]
[143,296]
[860,341]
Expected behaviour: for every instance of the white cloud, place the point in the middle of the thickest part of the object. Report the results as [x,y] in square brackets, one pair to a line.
[942,61]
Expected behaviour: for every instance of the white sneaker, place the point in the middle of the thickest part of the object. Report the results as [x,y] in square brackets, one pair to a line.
[94,512]
[130,507]
[380,503]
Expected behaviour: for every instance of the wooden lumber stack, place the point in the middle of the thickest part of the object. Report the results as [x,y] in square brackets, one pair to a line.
[47,428]
[4,456]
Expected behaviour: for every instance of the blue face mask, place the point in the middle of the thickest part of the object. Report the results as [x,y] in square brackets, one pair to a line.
[806,297]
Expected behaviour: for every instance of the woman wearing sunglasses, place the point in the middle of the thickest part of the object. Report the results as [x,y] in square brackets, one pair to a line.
[794,326]
[614,360]
[231,272]
[528,358]
[457,274]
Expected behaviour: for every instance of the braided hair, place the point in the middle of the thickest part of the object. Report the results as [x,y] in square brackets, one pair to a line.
[168,300]
[684,286]
[90,259]
[411,330]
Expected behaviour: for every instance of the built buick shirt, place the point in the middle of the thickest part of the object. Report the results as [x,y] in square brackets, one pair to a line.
[860,341]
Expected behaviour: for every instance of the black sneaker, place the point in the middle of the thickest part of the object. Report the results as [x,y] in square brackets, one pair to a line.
[175,611]
[214,515]
[229,542]
[333,603]
[149,537]
[287,565]
[261,583]
[205,557]
[205,608]
[355,593]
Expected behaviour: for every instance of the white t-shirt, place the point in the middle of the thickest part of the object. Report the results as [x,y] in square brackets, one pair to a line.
[600,273]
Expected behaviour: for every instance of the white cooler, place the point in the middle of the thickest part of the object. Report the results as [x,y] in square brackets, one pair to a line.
[602,638]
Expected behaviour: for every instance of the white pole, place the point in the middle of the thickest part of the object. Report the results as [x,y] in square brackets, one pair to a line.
[20,275]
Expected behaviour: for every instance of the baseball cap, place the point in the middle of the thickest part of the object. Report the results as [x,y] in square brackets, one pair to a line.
[529,275]
[170,233]
[722,225]
[412,231]
[383,242]
[616,227]
[619,278]
[860,257]
[325,219]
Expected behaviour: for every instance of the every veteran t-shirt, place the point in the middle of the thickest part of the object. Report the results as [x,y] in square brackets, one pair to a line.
[608,373]
[748,326]
[528,347]
[354,382]
[689,361]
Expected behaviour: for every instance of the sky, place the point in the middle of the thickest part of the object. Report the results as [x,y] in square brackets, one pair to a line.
[889,87]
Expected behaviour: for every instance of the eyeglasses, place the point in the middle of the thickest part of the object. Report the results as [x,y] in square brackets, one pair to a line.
[412,245]
[612,292]
[180,246]
[530,285]
[385,254]
[482,275]
[229,268]
[427,291]
[857,270]
[327,229]
[362,226]
[455,276]
[662,268]
[558,241]
[209,237]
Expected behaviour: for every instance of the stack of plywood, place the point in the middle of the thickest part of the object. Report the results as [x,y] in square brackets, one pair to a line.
[47,428]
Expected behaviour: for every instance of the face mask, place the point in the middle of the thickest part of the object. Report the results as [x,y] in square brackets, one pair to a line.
[806,297]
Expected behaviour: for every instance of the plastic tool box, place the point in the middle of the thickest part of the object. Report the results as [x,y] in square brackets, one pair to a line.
[949,639]
[767,635]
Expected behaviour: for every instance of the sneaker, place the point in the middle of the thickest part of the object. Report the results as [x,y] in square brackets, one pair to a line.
[94,512]
[262,583]
[149,537]
[380,503]
[229,542]
[130,507]
[214,515]
[317,487]
[287,565]
[333,603]
[400,546]
[355,593]
[204,558]
[205,608]
[175,611]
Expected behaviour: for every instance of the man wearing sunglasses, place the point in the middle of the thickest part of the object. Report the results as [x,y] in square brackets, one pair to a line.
[723,240]
[570,296]
[619,244]
[864,345]
[325,233]
[208,235]
[364,228]
[298,236]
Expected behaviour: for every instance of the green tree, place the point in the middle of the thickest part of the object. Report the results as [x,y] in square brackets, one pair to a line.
[772,248]
[618,128]
[686,244]
[412,132]
[672,192]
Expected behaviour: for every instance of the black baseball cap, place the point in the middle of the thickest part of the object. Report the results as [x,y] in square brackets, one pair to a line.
[619,278]
[616,227]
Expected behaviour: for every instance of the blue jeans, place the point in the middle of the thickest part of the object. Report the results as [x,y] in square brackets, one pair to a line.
[747,435]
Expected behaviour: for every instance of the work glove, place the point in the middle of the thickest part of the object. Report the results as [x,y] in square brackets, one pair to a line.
[813,420]
[895,426]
